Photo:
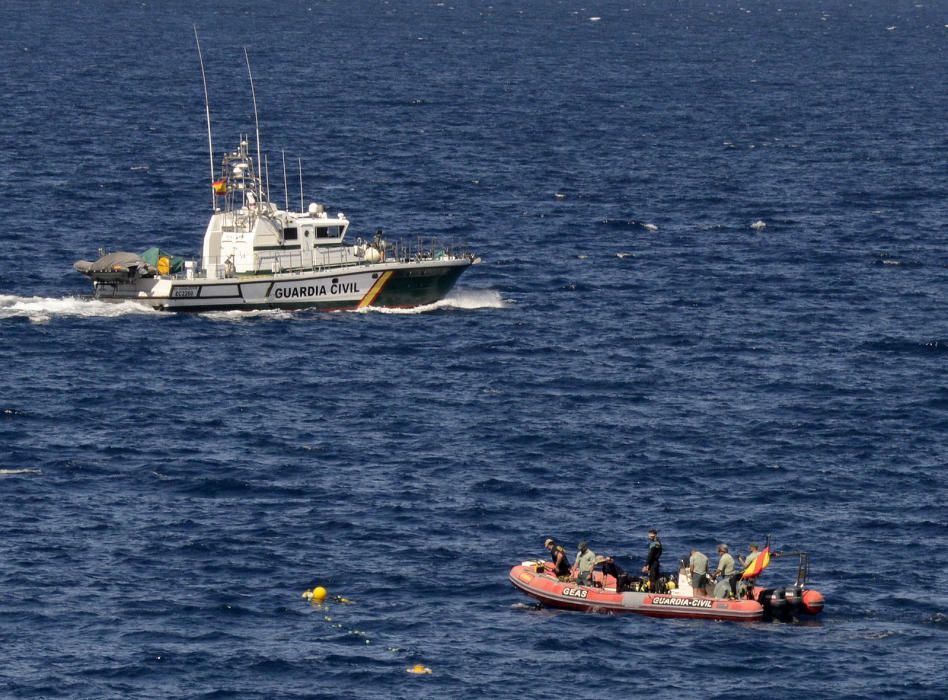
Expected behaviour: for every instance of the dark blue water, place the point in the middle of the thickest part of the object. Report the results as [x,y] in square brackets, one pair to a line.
[632,352]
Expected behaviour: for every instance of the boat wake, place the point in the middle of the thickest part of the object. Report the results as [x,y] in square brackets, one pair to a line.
[466,300]
[44,309]
[249,315]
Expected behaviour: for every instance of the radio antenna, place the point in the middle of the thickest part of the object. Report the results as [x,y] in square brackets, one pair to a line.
[253,94]
[286,189]
[207,111]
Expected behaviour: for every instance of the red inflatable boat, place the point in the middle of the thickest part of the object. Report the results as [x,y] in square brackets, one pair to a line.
[536,579]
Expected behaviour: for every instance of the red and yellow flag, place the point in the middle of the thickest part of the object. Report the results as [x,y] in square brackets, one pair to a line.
[758,565]
[220,186]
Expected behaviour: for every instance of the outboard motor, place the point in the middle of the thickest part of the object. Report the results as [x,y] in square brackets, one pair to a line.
[774,602]
[794,597]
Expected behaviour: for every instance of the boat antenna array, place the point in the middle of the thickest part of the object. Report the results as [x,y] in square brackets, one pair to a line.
[256,117]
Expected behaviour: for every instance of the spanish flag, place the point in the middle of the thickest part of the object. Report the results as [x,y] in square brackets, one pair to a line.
[758,565]
[220,187]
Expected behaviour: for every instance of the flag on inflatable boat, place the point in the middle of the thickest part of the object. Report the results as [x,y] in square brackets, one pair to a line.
[220,187]
[758,565]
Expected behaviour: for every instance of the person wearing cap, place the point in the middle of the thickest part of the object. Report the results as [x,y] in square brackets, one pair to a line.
[726,567]
[651,561]
[558,555]
[584,563]
[698,566]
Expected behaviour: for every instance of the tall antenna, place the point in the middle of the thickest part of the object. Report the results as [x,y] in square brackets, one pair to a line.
[286,188]
[254,95]
[207,111]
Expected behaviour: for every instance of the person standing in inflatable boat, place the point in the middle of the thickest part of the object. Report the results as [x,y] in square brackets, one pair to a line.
[651,562]
[726,568]
[585,561]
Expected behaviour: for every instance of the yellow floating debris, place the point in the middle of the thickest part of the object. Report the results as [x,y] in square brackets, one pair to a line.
[420,669]
[319,594]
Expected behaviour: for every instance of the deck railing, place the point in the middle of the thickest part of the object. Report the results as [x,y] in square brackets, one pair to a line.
[418,250]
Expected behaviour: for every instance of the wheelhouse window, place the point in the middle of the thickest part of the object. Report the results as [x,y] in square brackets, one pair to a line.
[328,231]
[290,234]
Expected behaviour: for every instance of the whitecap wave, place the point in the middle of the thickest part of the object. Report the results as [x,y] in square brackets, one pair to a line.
[19,472]
[43,309]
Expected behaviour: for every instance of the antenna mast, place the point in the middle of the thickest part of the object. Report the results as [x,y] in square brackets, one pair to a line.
[301,185]
[207,111]
[286,189]
[253,94]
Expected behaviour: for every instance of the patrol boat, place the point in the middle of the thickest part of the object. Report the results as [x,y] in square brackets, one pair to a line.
[604,595]
[259,256]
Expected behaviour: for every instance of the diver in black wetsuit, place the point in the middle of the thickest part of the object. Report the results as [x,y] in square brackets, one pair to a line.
[560,561]
[651,562]
[610,568]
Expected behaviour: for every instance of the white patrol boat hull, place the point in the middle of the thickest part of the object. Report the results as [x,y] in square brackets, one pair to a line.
[390,285]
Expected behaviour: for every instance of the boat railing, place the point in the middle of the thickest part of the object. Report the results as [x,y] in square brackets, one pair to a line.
[425,248]
[420,249]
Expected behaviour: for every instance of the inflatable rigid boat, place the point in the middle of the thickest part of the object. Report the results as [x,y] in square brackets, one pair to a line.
[536,579]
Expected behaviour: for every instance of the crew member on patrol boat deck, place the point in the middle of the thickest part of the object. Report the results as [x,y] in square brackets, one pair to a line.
[558,556]
[585,561]
[651,561]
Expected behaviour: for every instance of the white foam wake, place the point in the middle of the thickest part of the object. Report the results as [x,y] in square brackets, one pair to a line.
[248,314]
[459,299]
[43,309]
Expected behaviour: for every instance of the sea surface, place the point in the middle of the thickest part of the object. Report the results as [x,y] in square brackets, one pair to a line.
[633,351]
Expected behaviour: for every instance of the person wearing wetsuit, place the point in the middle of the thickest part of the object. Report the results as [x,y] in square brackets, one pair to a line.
[558,556]
[651,562]
[610,568]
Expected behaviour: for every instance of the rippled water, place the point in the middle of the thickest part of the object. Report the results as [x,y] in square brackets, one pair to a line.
[632,353]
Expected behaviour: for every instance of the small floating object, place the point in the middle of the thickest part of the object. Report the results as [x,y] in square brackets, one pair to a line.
[650,227]
[559,195]
[758,225]
[419,669]
[317,595]
[342,600]
[624,254]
